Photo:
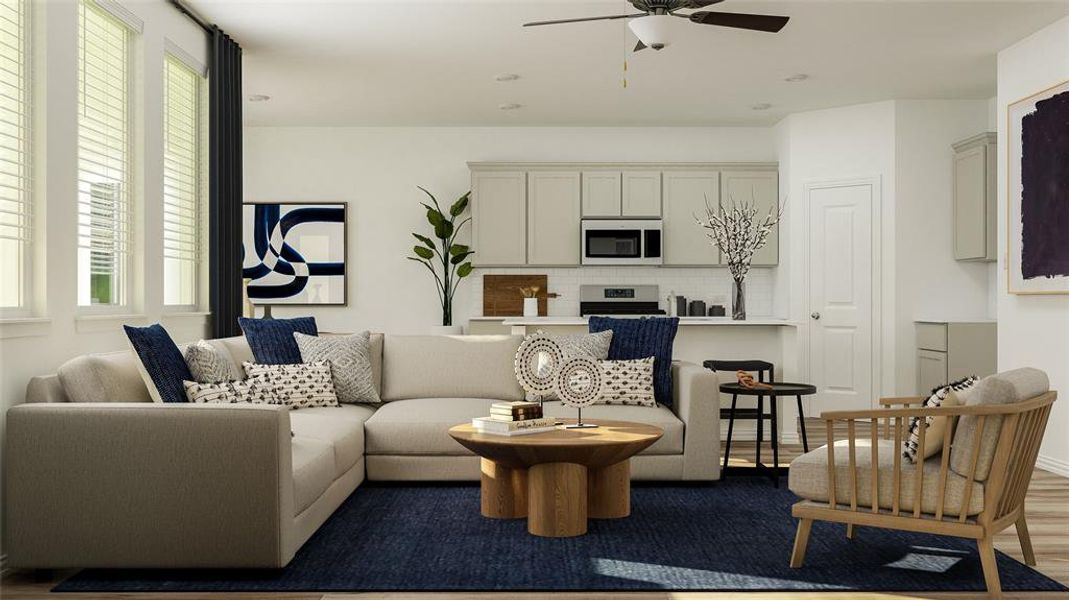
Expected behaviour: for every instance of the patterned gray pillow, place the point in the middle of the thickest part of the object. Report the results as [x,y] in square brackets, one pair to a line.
[229,392]
[208,364]
[301,385]
[349,357]
[590,345]
[628,382]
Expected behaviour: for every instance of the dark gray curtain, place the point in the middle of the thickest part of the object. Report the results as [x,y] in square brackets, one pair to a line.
[224,184]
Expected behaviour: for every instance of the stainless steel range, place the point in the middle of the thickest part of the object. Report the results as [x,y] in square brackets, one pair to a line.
[619,300]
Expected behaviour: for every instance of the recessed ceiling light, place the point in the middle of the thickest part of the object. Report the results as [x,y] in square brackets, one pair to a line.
[506,77]
[259,98]
[797,78]
[761,106]
[509,106]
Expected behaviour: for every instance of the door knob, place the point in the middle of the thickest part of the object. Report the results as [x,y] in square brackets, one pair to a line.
[816,316]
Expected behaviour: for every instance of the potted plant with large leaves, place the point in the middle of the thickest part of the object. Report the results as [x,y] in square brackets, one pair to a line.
[447,260]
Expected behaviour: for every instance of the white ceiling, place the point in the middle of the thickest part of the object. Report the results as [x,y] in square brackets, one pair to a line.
[401,62]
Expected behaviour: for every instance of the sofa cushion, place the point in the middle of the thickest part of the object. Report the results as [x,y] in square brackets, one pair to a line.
[421,425]
[110,377]
[272,340]
[313,470]
[808,478]
[670,443]
[435,366]
[239,350]
[1004,388]
[342,427]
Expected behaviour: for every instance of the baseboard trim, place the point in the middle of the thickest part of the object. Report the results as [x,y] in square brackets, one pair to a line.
[1058,467]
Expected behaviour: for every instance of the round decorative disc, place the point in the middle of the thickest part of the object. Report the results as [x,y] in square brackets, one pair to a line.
[538,359]
[580,381]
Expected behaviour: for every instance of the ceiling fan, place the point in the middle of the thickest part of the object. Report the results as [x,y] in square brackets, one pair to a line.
[651,26]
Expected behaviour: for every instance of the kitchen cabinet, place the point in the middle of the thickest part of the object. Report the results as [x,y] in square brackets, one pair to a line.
[762,189]
[601,194]
[950,350]
[975,198]
[641,194]
[685,196]
[499,218]
[553,207]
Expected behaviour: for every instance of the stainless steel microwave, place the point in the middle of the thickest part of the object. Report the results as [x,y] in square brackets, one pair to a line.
[621,242]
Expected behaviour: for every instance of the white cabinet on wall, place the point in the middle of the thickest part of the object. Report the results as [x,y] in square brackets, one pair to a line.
[685,195]
[641,194]
[975,198]
[499,218]
[762,189]
[553,218]
[601,194]
[948,351]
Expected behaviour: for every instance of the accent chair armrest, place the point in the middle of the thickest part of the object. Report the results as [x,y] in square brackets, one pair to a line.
[696,401]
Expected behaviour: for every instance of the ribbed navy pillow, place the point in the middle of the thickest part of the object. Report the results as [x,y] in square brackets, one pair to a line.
[161,359]
[641,338]
[271,340]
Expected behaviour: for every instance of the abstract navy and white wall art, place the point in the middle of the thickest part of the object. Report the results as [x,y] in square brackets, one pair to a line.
[294,253]
[1038,193]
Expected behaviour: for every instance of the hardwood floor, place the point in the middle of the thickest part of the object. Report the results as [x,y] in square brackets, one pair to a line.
[1048,521]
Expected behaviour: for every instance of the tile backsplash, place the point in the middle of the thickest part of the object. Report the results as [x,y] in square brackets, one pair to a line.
[713,286]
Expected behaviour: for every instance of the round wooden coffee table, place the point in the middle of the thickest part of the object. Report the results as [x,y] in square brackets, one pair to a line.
[558,479]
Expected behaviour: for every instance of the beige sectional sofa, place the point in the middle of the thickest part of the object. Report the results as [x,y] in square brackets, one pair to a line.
[97,475]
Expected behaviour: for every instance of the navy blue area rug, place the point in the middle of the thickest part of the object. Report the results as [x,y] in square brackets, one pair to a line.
[731,535]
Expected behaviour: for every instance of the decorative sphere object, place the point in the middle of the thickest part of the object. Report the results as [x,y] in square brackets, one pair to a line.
[538,359]
[580,381]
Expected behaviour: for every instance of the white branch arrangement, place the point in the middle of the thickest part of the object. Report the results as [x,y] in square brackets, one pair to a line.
[740,232]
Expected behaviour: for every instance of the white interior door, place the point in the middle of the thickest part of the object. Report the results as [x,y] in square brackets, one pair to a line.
[841,239]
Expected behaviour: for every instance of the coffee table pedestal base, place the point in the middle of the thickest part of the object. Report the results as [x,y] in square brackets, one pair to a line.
[503,491]
[556,499]
[609,491]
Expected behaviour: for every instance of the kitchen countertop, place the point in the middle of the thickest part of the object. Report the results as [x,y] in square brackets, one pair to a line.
[688,321]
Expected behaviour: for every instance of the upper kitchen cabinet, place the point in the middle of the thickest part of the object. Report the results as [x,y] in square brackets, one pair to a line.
[499,218]
[641,197]
[601,194]
[553,206]
[762,189]
[685,195]
[975,192]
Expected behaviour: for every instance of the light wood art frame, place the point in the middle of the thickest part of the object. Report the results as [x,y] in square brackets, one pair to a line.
[1004,490]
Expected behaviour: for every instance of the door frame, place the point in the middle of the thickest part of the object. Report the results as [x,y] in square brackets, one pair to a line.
[876,183]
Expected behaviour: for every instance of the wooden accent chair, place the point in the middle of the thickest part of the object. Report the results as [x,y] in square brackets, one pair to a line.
[974,488]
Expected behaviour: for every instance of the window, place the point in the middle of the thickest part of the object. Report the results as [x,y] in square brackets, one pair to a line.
[104,157]
[182,183]
[16,209]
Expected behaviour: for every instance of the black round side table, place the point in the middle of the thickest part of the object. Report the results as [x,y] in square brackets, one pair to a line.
[776,390]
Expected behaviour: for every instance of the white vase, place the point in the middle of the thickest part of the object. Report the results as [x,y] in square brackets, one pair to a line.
[447,330]
[530,307]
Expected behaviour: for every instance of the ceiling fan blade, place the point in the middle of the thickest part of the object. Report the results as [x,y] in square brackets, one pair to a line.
[640,46]
[698,3]
[769,23]
[609,18]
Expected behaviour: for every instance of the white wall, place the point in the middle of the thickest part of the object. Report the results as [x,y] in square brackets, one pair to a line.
[376,171]
[38,346]
[1034,330]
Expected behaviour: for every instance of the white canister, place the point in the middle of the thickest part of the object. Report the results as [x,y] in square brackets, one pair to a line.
[530,307]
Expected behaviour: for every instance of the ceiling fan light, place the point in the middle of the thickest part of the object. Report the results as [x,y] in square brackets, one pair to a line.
[652,30]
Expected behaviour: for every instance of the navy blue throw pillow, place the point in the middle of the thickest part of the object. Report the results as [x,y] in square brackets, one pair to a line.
[162,361]
[641,338]
[271,340]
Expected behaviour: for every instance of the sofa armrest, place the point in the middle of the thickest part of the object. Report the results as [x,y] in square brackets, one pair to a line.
[147,485]
[696,401]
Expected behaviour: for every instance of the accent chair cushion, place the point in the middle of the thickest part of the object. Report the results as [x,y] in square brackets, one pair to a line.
[639,338]
[1004,388]
[163,367]
[441,366]
[808,479]
[272,340]
[349,357]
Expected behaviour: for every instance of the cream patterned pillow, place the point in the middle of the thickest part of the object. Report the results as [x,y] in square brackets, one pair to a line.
[297,386]
[628,382]
[947,395]
[229,392]
[208,365]
[349,357]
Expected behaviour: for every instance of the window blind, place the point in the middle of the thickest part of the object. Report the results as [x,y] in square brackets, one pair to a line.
[182,183]
[103,156]
[16,210]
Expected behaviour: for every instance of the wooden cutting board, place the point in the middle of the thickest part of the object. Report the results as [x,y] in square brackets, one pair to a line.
[502,298]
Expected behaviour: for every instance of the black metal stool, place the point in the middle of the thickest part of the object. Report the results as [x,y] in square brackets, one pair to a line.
[766,372]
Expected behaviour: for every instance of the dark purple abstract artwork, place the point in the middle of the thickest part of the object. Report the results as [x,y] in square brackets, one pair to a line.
[1045,189]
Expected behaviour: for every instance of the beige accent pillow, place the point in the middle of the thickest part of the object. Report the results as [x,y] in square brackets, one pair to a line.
[937,426]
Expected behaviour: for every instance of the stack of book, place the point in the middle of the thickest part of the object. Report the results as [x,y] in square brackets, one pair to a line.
[513,418]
